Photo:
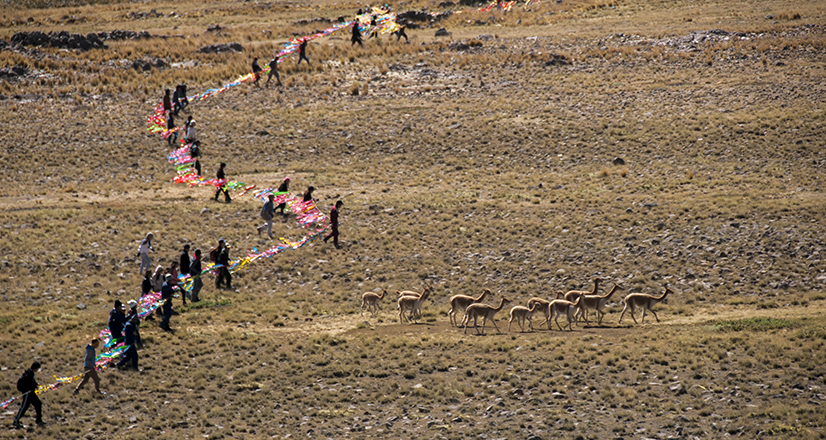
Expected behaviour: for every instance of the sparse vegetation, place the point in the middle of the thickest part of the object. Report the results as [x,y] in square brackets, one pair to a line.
[483,160]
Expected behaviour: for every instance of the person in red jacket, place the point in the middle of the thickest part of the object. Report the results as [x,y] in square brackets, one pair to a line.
[334,224]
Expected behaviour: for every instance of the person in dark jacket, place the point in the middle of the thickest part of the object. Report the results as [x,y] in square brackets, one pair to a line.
[167,103]
[116,321]
[356,38]
[135,319]
[89,369]
[220,175]
[308,196]
[28,385]
[195,153]
[185,266]
[274,71]
[170,125]
[284,187]
[146,284]
[167,290]
[176,101]
[131,353]
[256,70]
[334,224]
[302,53]
[223,272]
[195,271]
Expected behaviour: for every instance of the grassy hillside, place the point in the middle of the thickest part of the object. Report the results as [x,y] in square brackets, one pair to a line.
[648,143]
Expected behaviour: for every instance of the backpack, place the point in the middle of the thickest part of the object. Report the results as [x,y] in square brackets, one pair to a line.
[213,255]
[23,382]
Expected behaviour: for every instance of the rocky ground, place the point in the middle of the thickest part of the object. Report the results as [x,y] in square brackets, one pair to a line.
[522,159]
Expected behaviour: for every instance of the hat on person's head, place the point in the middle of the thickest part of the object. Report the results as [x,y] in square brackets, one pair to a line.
[186,246]
[271,196]
[132,303]
[287,178]
[118,303]
[192,122]
[168,276]
[220,240]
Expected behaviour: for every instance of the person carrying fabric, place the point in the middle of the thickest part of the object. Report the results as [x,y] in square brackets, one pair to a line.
[167,290]
[356,38]
[256,71]
[221,175]
[267,212]
[302,53]
[274,71]
[131,353]
[284,187]
[223,273]
[116,321]
[195,272]
[27,385]
[89,369]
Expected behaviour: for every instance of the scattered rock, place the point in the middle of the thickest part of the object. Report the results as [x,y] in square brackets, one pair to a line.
[262,133]
[81,306]
[221,48]
[148,62]
[619,161]
[442,32]
[205,211]
[557,60]
[485,37]
[13,72]
[60,40]
[324,21]
[214,28]
[141,15]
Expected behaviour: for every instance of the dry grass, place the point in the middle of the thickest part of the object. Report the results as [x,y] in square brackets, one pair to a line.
[482,168]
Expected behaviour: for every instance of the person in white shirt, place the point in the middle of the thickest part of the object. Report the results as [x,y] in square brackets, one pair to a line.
[143,250]
[191,135]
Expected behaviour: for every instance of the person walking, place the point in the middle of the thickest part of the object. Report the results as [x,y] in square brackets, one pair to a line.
[400,33]
[302,52]
[131,353]
[182,96]
[195,272]
[176,100]
[284,187]
[267,212]
[191,133]
[274,72]
[308,196]
[221,175]
[157,279]
[143,252]
[116,321]
[146,284]
[375,32]
[166,296]
[28,385]
[135,319]
[195,153]
[167,103]
[89,368]
[223,273]
[256,71]
[356,38]
[185,263]
[170,125]
[334,224]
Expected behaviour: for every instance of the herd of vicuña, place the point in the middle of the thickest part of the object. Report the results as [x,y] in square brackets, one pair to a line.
[574,305]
